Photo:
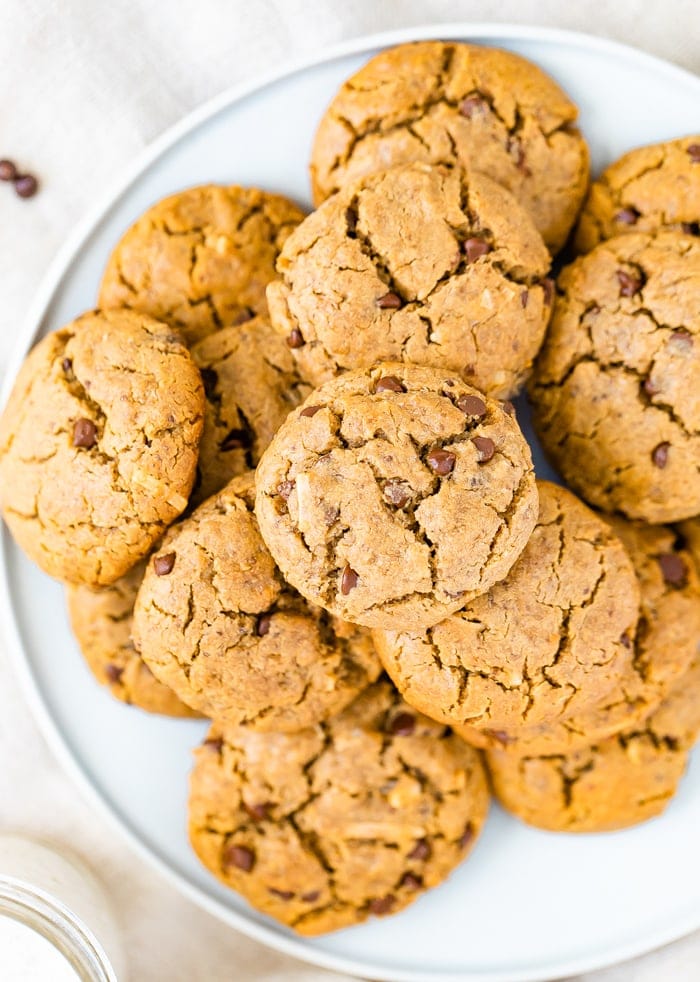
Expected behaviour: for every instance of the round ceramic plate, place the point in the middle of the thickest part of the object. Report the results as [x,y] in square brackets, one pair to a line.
[527,905]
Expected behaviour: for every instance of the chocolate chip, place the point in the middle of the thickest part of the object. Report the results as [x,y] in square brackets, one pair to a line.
[627,216]
[389,383]
[396,493]
[282,894]
[673,569]
[486,448]
[242,318]
[650,386]
[390,301]
[475,248]
[467,836]
[382,905]
[295,339]
[516,150]
[472,105]
[508,408]
[694,152]
[682,339]
[285,489]
[472,406]
[235,439]
[215,744]
[8,170]
[626,640]
[411,882]
[67,366]
[84,433]
[351,220]
[258,813]
[26,185]
[311,897]
[690,228]
[263,625]
[469,370]
[113,673]
[659,454]
[348,580]
[500,736]
[311,411]
[441,461]
[524,297]
[421,850]
[163,565]
[548,288]
[241,857]
[403,724]
[209,380]
[629,284]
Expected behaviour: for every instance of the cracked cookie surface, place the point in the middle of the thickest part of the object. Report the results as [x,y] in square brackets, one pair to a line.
[616,388]
[200,259]
[99,444]
[215,621]
[355,817]
[417,264]
[648,189]
[613,784]
[543,644]
[101,622]
[394,494]
[441,102]
[662,647]
[251,385]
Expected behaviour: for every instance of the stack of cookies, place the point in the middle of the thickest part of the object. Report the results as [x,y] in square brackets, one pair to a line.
[279,471]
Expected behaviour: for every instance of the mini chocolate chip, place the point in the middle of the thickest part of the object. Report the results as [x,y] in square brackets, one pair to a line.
[67,365]
[626,640]
[113,673]
[524,297]
[235,439]
[390,301]
[242,317]
[469,370]
[474,248]
[441,461]
[403,724]
[472,406]
[650,386]
[421,850]
[389,383]
[282,894]
[209,380]
[396,493]
[694,152]
[8,170]
[295,339]
[680,338]
[659,454]
[467,836]
[411,882]
[285,489]
[241,857]
[548,288]
[215,744]
[486,448]
[473,104]
[500,736]
[627,216]
[311,897]
[673,569]
[382,905]
[84,433]
[629,285]
[348,580]
[26,185]
[311,411]
[263,625]
[258,813]
[691,228]
[508,408]
[163,565]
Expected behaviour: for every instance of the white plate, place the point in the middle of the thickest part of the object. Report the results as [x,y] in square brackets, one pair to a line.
[527,905]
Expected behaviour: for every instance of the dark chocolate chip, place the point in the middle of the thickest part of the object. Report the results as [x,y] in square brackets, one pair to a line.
[403,724]
[524,297]
[311,411]
[285,489]
[472,105]
[390,301]
[241,857]
[348,580]
[659,454]
[548,288]
[311,897]
[508,408]
[113,673]
[260,812]
[627,216]
[474,248]
[694,152]
[209,380]
[84,433]
[263,625]
[163,565]
[67,366]
[411,882]
[235,439]
[215,744]
[389,383]
[682,339]
[396,493]
[421,850]
[626,640]
[26,185]
[441,461]
[691,228]
[467,836]
[281,894]
[629,284]
[486,448]
[295,339]
[382,905]
[8,170]
[673,569]
[472,406]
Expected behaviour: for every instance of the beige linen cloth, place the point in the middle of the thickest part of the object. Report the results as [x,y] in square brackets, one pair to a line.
[84,85]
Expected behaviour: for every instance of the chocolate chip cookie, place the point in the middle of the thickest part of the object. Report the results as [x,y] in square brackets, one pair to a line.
[615,389]
[98,444]
[395,494]
[251,385]
[443,102]
[101,620]
[200,259]
[355,817]
[545,643]
[616,783]
[648,189]
[418,264]
[661,649]
[215,621]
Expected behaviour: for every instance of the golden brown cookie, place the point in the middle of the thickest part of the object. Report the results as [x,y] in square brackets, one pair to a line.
[661,650]
[215,621]
[417,264]
[251,385]
[616,389]
[395,494]
[98,444]
[101,621]
[648,189]
[357,816]
[545,643]
[200,259]
[443,102]
[616,783]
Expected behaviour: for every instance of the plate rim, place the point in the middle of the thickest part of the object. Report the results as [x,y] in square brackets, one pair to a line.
[19,661]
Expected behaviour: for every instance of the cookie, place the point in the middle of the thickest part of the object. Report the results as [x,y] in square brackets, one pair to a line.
[101,622]
[616,783]
[98,444]
[545,643]
[251,385]
[443,102]
[663,645]
[395,494]
[215,622]
[614,391]
[648,189]
[200,259]
[418,264]
[355,817]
